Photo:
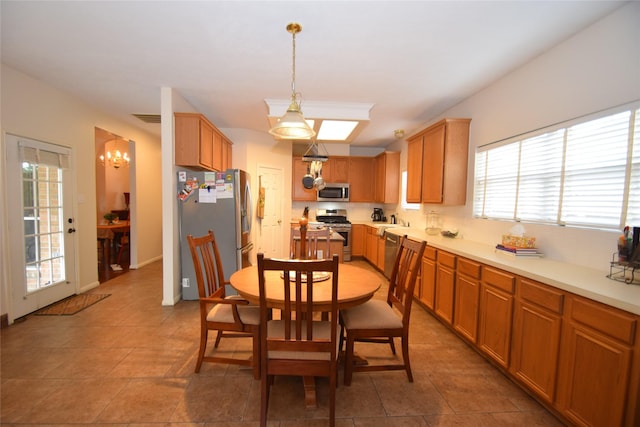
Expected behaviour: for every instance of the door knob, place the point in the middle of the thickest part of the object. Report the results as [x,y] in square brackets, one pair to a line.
[71,230]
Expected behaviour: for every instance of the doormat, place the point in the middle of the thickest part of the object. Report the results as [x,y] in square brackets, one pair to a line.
[71,305]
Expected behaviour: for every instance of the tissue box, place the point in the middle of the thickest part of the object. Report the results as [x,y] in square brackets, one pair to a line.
[519,241]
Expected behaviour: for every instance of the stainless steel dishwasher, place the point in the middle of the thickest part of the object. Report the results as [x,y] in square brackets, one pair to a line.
[391,242]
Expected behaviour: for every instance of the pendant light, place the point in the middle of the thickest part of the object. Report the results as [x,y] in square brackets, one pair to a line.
[292,124]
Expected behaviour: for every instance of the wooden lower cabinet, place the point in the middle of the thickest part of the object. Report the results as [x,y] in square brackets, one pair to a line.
[579,357]
[496,314]
[358,235]
[445,286]
[371,246]
[380,246]
[536,337]
[427,284]
[465,319]
[597,383]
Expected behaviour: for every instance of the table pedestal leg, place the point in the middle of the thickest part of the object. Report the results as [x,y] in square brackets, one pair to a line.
[309,392]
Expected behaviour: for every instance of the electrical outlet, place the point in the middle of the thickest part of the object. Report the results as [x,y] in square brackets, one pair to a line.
[185,282]
[320,253]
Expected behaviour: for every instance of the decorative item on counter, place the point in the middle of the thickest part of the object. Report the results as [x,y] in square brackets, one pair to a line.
[433,223]
[518,238]
[625,245]
[517,243]
[452,233]
[111,217]
[515,251]
[304,220]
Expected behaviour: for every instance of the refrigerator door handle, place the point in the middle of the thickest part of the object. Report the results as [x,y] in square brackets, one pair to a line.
[248,207]
[247,248]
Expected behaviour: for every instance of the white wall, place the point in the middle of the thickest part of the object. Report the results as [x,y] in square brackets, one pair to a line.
[596,69]
[34,109]
[252,149]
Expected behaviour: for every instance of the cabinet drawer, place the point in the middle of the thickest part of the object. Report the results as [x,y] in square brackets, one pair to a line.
[608,320]
[430,252]
[499,279]
[468,268]
[447,259]
[541,295]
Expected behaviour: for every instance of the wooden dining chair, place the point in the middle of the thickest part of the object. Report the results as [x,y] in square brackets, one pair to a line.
[318,242]
[381,321]
[297,344]
[230,316]
[122,244]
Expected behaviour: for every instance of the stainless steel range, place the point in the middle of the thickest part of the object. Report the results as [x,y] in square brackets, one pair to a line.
[336,219]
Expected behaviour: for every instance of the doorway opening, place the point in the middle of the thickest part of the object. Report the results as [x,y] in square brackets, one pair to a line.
[113,200]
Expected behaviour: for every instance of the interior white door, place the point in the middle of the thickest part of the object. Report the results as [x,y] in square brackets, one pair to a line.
[42,263]
[271,235]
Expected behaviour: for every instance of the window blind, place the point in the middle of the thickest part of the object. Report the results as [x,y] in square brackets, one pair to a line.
[30,152]
[583,174]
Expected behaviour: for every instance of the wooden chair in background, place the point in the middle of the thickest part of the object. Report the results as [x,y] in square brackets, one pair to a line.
[381,321]
[296,344]
[230,316]
[318,241]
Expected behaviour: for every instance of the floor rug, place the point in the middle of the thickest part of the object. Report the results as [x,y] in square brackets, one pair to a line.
[71,305]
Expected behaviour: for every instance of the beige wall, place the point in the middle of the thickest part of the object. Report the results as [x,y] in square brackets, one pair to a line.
[34,109]
[596,69]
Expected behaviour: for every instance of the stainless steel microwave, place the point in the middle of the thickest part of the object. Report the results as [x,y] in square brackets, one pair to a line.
[334,193]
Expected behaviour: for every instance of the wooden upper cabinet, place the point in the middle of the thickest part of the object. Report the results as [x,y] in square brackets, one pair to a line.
[298,192]
[336,169]
[198,143]
[227,154]
[361,179]
[218,159]
[414,169]
[387,177]
[437,163]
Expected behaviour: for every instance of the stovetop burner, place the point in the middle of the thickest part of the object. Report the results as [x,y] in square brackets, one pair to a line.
[333,220]
[332,216]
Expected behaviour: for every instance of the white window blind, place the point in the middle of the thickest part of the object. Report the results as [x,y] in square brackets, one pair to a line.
[31,152]
[633,209]
[586,173]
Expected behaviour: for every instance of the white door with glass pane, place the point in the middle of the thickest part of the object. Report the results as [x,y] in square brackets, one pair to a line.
[42,228]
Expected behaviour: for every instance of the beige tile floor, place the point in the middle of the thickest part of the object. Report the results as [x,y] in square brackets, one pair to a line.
[128,361]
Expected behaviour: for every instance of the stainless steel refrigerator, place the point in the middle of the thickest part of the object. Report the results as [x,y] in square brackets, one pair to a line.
[218,201]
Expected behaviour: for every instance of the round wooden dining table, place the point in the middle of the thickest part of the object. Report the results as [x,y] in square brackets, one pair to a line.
[356,286]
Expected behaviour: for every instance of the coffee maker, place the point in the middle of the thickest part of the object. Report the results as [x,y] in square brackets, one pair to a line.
[377,215]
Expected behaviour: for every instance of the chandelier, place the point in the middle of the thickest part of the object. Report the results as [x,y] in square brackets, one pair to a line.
[117,158]
[292,124]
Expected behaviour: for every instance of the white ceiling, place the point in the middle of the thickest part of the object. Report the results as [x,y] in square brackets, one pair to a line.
[411,59]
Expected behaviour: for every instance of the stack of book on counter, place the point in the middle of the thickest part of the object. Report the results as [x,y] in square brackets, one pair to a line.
[519,252]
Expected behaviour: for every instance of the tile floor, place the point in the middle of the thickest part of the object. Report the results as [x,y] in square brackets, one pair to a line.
[128,361]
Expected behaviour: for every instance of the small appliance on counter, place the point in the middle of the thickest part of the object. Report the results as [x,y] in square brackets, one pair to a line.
[393,219]
[377,215]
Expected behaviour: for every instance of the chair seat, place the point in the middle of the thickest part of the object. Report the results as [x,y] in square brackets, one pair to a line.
[222,313]
[321,330]
[374,314]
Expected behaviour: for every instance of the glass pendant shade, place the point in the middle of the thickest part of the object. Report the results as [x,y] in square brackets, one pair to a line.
[292,124]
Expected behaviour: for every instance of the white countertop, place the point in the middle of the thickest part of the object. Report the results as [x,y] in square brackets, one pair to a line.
[587,282]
